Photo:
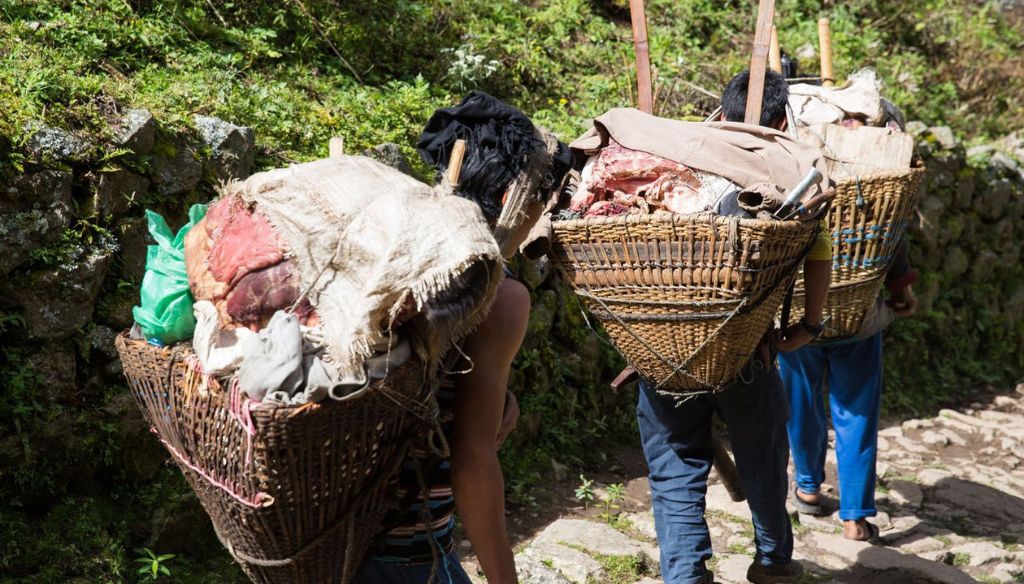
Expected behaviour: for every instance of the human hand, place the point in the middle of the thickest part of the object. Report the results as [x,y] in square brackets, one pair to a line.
[509,418]
[794,337]
[903,301]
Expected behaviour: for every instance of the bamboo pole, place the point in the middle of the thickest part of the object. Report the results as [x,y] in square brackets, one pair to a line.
[759,61]
[336,147]
[774,52]
[455,162]
[645,95]
[825,47]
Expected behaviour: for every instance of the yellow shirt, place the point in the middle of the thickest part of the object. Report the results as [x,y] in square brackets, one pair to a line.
[822,249]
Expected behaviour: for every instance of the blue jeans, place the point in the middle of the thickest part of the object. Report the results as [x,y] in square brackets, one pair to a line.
[854,372]
[376,571]
[677,445]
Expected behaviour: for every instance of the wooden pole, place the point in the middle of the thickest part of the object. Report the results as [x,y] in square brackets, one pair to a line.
[775,53]
[645,96]
[455,162]
[336,147]
[825,47]
[759,61]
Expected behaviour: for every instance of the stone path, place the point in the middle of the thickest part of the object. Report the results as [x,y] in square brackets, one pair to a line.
[951,510]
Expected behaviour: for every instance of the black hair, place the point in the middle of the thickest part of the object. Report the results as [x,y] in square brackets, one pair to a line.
[499,139]
[773,108]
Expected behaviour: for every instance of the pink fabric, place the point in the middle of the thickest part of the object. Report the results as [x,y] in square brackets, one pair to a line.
[636,181]
[242,241]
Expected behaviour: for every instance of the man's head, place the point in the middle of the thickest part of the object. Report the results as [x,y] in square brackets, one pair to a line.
[773,108]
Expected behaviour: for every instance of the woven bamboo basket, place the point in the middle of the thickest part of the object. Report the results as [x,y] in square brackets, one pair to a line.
[294,493]
[685,299]
[869,217]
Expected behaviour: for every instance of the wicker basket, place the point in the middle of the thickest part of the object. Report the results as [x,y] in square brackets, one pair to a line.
[685,299]
[868,218]
[295,493]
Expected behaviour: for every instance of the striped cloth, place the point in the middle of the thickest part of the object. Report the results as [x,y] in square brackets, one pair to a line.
[408,540]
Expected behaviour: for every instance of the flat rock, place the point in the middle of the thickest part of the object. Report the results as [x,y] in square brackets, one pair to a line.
[891,432]
[934,438]
[916,424]
[951,436]
[909,445]
[930,477]
[175,168]
[58,301]
[534,568]
[718,500]
[1005,401]
[49,143]
[905,494]
[113,192]
[956,424]
[883,559]
[595,538]
[732,569]
[390,154]
[918,544]
[232,148]
[643,523]
[825,524]
[980,552]
[35,209]
[136,131]
[1005,573]
[980,501]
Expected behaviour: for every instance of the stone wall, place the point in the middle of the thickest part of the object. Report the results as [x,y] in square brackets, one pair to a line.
[966,246]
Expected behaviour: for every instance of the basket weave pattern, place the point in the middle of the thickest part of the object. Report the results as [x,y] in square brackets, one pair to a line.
[296,494]
[868,218]
[685,299]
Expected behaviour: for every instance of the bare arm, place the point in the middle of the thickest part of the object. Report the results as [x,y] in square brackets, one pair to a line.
[817,274]
[479,405]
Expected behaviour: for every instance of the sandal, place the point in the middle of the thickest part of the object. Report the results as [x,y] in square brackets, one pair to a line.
[872,537]
[803,506]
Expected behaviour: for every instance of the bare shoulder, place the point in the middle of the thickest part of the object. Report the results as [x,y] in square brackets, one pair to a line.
[511,309]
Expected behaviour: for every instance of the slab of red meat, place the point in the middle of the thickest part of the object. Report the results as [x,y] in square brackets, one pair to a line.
[242,241]
[261,293]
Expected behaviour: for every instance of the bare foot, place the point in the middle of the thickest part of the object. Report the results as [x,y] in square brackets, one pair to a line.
[809,498]
[859,530]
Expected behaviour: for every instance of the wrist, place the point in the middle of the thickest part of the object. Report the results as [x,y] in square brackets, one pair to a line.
[814,329]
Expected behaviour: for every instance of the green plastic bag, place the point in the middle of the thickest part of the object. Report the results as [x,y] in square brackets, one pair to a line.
[165,314]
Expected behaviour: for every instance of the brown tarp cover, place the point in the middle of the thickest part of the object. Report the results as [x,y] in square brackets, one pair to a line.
[756,158]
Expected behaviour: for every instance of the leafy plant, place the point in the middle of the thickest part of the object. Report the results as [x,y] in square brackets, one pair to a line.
[154,565]
[614,495]
[585,491]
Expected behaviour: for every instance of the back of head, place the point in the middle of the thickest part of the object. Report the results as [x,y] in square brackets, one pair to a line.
[773,106]
[499,142]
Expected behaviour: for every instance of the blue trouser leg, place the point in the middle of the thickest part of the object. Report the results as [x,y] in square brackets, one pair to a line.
[677,445]
[854,372]
[855,392]
[803,373]
[756,415]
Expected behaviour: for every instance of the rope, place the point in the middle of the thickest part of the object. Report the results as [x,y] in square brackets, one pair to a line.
[745,305]
[342,520]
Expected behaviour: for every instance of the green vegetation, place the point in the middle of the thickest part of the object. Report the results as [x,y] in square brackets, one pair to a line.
[622,569]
